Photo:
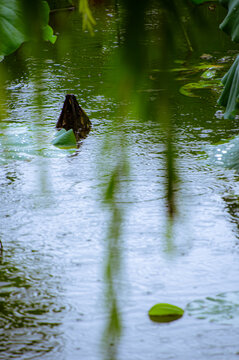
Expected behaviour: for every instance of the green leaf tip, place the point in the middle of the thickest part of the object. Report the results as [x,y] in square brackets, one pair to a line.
[64,139]
[164,312]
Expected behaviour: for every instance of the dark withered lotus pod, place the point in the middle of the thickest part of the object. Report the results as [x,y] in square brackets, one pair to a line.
[74,117]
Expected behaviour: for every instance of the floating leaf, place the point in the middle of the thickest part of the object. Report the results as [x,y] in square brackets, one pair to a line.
[196,68]
[230,94]
[208,74]
[206,57]
[65,139]
[165,313]
[231,22]
[188,88]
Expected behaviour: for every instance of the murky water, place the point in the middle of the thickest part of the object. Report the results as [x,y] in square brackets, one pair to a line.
[53,223]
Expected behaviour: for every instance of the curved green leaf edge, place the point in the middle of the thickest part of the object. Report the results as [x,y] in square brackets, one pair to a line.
[230,24]
[64,139]
[230,95]
[164,312]
[47,31]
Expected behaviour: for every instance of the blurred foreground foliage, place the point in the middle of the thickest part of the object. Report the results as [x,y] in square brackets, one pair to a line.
[21,21]
[230,94]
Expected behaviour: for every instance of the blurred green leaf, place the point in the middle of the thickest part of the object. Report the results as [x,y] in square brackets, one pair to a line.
[188,89]
[88,20]
[47,31]
[231,22]
[165,312]
[13,29]
[230,94]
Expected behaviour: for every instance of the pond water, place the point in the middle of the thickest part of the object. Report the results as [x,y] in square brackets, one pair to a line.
[53,222]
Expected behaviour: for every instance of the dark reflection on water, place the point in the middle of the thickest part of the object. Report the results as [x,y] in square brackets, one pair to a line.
[30,315]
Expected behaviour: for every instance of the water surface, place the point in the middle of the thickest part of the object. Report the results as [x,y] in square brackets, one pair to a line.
[53,222]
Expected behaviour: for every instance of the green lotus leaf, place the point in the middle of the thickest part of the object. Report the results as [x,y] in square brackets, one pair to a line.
[201,84]
[65,139]
[165,313]
[208,74]
[230,94]
[14,29]
[231,22]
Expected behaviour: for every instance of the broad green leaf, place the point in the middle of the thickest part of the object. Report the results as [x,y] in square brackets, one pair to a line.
[230,94]
[231,22]
[165,312]
[13,29]
[65,139]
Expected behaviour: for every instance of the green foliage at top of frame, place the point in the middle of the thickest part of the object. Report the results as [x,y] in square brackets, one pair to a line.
[230,24]
[17,22]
